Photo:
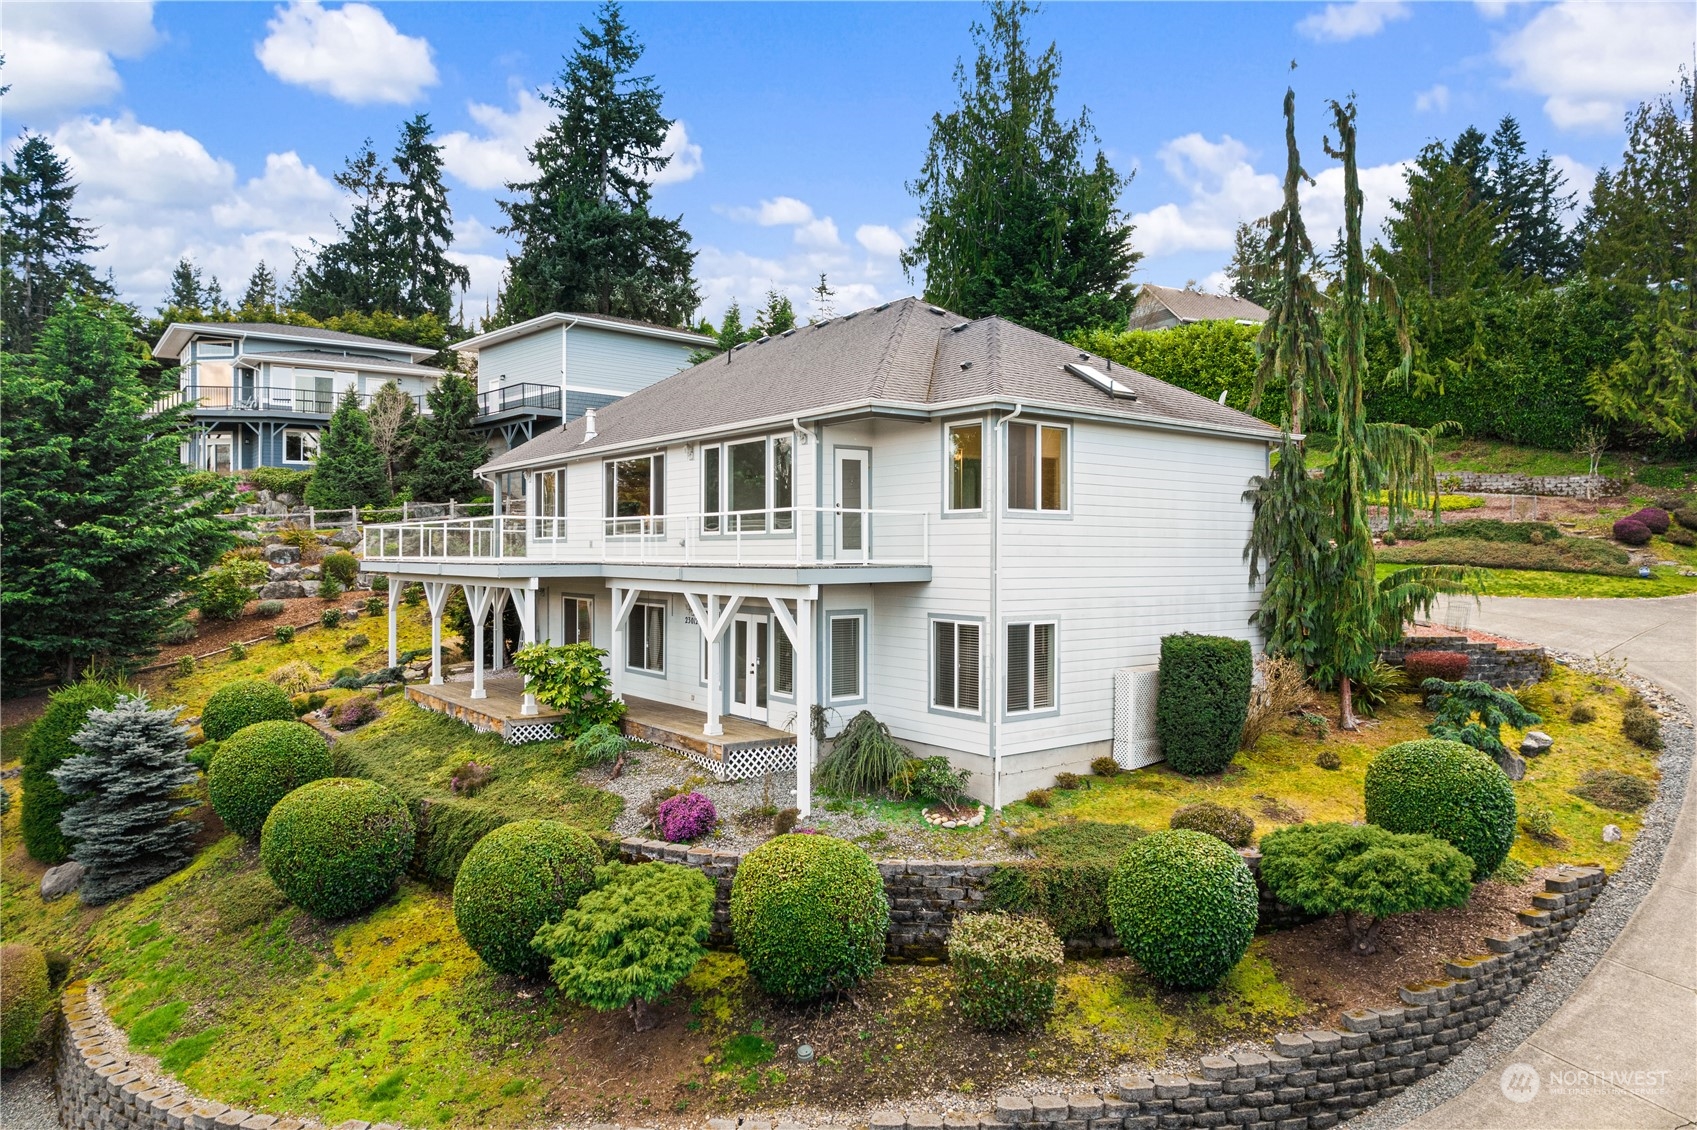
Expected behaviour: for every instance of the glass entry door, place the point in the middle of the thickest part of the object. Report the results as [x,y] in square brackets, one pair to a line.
[851,498]
[750,639]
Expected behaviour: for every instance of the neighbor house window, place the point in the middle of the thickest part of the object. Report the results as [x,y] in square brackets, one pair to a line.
[299,446]
[954,665]
[966,467]
[847,679]
[1037,467]
[575,624]
[748,487]
[645,638]
[1031,667]
[636,495]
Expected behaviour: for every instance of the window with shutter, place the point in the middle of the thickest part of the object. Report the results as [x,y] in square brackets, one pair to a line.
[1019,667]
[845,657]
[1042,666]
[1030,667]
[783,663]
[943,664]
[954,666]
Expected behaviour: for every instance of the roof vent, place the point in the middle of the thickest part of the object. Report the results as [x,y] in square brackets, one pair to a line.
[880,309]
[850,314]
[588,424]
[1102,381]
[938,310]
[966,365]
[957,329]
[787,332]
[762,339]
[739,345]
[821,322]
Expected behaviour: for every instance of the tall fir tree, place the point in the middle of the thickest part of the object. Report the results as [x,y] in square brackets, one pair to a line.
[447,451]
[348,471]
[100,531]
[260,299]
[588,239]
[731,332]
[421,227]
[1532,240]
[1015,220]
[187,297]
[824,300]
[43,244]
[1442,234]
[357,272]
[132,786]
[775,317]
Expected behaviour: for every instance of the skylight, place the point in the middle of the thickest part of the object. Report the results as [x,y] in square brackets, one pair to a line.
[1101,380]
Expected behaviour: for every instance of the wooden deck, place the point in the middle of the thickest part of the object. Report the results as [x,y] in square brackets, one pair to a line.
[493,715]
[679,728]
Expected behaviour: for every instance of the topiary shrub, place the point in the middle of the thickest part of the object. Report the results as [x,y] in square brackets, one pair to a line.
[681,819]
[1184,905]
[1005,967]
[241,703]
[1630,531]
[809,915]
[26,1002]
[47,747]
[258,766]
[1228,825]
[1363,872]
[1652,517]
[342,566]
[515,880]
[1429,664]
[336,846]
[1445,789]
[1614,790]
[1202,701]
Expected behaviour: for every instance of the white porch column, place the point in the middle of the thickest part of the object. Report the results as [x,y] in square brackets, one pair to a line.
[478,598]
[502,596]
[804,687]
[623,600]
[713,621]
[436,596]
[525,599]
[395,587]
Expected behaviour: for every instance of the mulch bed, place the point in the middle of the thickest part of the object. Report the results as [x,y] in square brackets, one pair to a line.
[216,635]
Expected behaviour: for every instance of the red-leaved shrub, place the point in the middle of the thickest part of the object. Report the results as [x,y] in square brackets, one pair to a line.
[1446,665]
[680,819]
[1654,517]
[1630,531]
[354,713]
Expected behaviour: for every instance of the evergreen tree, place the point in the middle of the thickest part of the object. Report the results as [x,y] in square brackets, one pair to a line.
[1442,234]
[824,300]
[348,471]
[1471,152]
[1014,220]
[42,243]
[448,451]
[1252,270]
[187,297]
[731,332]
[100,533]
[132,786]
[587,238]
[260,300]
[1530,204]
[358,272]
[394,421]
[421,226]
[775,317]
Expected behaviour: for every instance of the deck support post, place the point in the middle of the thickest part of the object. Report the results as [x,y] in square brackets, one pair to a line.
[713,622]
[395,587]
[502,595]
[804,687]
[623,600]
[525,598]
[478,598]
[436,596]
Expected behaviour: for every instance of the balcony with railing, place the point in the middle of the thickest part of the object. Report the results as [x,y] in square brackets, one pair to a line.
[525,396]
[793,537]
[240,399]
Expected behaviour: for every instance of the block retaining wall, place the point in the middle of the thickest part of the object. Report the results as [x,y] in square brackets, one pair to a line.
[1565,486]
[1486,661]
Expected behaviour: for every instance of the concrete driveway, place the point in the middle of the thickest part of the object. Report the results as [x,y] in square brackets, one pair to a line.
[1635,1014]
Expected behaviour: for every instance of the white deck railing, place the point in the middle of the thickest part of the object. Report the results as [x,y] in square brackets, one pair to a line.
[798,536]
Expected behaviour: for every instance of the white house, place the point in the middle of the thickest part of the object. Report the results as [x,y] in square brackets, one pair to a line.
[964,527]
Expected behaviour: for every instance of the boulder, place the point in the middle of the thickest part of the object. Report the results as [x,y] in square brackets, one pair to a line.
[263,497]
[282,590]
[280,554]
[1513,766]
[285,573]
[1611,834]
[251,536]
[287,499]
[348,537]
[312,573]
[276,509]
[1536,743]
[61,880]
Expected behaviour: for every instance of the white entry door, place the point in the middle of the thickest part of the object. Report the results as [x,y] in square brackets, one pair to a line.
[750,639]
[852,494]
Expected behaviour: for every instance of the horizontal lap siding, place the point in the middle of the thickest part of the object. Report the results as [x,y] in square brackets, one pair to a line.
[535,359]
[618,362]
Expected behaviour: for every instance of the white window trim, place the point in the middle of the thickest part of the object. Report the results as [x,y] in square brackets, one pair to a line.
[1031,673]
[572,600]
[713,520]
[949,466]
[304,434]
[635,608]
[656,485]
[956,622]
[1007,469]
[859,694]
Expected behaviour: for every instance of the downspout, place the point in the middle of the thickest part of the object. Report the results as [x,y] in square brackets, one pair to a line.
[999,477]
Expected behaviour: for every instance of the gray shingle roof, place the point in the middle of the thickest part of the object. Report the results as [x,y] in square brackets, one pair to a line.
[905,353]
[346,361]
[277,329]
[1194,306]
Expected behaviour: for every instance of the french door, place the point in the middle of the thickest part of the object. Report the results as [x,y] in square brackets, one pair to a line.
[750,641]
[852,493]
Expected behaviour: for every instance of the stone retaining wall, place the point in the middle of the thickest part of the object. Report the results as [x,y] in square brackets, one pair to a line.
[1487,662]
[1565,486]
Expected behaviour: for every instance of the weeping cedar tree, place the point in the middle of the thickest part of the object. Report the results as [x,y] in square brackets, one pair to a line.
[1322,604]
[1013,221]
[446,452]
[42,243]
[100,531]
[587,240]
[348,471]
[131,789]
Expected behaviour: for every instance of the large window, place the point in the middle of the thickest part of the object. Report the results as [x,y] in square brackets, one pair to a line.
[847,679]
[966,466]
[645,638]
[748,487]
[551,503]
[1037,467]
[299,445]
[1031,667]
[577,618]
[954,665]
[636,495]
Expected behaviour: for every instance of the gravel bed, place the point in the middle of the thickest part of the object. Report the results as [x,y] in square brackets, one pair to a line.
[26,1098]
[1596,932]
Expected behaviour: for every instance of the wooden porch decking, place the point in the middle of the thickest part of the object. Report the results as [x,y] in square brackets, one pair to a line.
[679,727]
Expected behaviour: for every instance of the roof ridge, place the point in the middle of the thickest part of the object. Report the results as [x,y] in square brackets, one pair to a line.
[882,374]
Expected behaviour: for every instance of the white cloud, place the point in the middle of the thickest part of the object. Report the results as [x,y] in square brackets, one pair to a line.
[685,156]
[1590,60]
[860,278]
[1224,189]
[1322,202]
[1339,23]
[1497,9]
[59,56]
[880,239]
[787,211]
[1437,98]
[352,53]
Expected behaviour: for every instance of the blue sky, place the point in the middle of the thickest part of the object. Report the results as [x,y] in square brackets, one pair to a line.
[213,129]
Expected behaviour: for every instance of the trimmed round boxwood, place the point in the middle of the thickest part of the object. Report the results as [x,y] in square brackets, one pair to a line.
[258,766]
[336,846]
[809,915]
[514,881]
[1229,825]
[242,703]
[1630,531]
[1448,790]
[26,997]
[1005,967]
[1202,700]
[1184,905]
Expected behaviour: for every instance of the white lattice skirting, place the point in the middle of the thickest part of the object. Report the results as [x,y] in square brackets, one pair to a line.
[741,764]
[518,733]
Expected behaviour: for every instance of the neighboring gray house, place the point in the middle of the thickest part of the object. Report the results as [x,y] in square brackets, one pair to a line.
[976,532]
[1162,307]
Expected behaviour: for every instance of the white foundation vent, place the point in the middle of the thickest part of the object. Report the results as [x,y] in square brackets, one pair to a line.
[1135,743]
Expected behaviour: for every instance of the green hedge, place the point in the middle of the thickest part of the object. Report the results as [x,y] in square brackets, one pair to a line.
[1185,906]
[1004,968]
[1444,789]
[515,880]
[336,847]
[26,998]
[1203,700]
[1203,357]
[258,766]
[809,915]
[48,745]
[241,703]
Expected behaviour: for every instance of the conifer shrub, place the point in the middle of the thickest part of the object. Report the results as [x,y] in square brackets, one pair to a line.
[1429,663]
[48,746]
[1640,723]
[1004,967]
[1184,905]
[26,1002]
[515,880]
[330,617]
[258,766]
[1630,531]
[1203,701]
[329,588]
[1106,767]
[342,566]
[241,703]
[296,676]
[809,915]
[336,846]
[1445,789]
[1228,825]
[269,609]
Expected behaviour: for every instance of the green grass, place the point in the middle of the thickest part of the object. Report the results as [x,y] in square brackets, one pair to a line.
[1665,581]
